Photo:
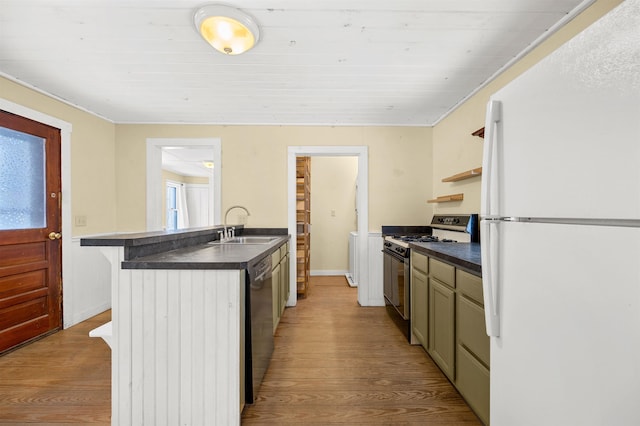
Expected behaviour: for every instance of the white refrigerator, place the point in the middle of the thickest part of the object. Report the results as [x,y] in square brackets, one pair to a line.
[561,233]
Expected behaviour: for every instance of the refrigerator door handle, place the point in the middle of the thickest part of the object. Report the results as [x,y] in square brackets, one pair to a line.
[490,279]
[489,188]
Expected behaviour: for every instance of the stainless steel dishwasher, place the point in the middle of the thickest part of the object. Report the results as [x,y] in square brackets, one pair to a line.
[259,325]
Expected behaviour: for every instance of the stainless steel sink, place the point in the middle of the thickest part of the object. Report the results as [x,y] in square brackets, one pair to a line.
[247,240]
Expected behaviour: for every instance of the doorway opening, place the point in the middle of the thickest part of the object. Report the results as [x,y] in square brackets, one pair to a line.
[362,206]
[334,214]
[207,152]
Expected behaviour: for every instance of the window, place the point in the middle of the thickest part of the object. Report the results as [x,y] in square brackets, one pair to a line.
[177,212]
[172,205]
[22,180]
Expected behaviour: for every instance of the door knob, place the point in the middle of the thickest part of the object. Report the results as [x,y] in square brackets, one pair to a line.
[55,236]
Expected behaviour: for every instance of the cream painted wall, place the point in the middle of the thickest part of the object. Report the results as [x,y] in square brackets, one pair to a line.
[254,169]
[167,175]
[333,189]
[455,150]
[93,190]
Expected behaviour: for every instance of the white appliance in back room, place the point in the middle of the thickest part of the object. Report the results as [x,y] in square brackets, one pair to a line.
[561,233]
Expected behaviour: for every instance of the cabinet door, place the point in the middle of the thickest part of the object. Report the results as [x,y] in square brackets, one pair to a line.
[284,282]
[419,306]
[442,326]
[275,280]
[472,380]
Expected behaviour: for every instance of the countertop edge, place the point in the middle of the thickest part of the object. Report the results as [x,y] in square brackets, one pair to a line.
[151,237]
[147,262]
[190,266]
[432,250]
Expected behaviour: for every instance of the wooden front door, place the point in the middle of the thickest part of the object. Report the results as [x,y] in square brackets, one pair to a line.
[30,245]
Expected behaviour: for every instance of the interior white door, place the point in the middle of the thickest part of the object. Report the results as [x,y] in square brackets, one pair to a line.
[198,205]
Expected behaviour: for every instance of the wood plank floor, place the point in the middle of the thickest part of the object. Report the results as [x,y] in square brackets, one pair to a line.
[338,363]
[334,363]
[62,379]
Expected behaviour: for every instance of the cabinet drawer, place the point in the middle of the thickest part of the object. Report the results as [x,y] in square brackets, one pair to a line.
[283,250]
[470,285]
[443,272]
[275,258]
[420,262]
[470,327]
[472,380]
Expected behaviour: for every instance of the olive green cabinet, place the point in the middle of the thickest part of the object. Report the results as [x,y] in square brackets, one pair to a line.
[472,345]
[447,319]
[279,282]
[285,290]
[275,287]
[442,302]
[419,299]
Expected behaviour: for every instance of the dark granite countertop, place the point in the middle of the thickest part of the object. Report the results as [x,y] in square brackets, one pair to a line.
[189,248]
[207,256]
[128,239]
[465,256]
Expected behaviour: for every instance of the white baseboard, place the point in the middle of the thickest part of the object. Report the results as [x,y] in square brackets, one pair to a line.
[350,280]
[88,313]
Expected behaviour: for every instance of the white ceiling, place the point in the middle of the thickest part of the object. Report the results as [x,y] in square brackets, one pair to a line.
[327,62]
[187,160]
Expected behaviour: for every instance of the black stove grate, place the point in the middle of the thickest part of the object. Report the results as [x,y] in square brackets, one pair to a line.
[419,238]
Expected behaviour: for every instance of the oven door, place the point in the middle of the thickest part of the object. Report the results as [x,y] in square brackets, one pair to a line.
[396,283]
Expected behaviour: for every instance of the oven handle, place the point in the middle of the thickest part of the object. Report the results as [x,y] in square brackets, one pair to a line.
[393,255]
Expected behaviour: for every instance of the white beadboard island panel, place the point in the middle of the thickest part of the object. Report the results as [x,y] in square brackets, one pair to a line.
[176,345]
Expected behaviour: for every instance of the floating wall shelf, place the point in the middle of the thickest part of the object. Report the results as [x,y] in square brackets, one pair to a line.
[479,133]
[447,198]
[464,175]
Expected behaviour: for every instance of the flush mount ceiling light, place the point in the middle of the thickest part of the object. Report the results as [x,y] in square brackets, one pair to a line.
[227,29]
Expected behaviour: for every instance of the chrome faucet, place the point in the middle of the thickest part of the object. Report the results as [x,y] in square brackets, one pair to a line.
[231,232]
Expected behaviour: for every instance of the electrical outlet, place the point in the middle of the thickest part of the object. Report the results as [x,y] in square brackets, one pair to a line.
[333,213]
[81,220]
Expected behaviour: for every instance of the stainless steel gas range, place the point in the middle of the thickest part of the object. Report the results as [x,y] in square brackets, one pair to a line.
[445,229]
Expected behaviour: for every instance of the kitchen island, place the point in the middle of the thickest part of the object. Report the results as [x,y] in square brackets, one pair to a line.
[178,324]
